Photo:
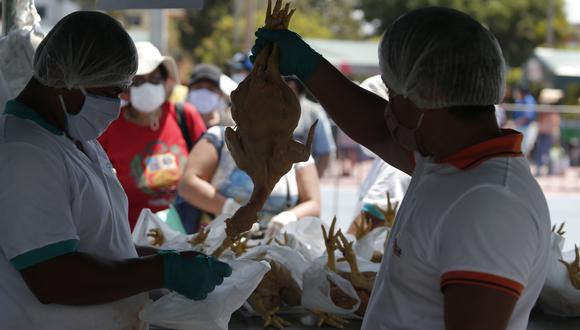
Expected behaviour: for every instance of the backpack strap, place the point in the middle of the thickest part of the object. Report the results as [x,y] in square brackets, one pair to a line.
[181,121]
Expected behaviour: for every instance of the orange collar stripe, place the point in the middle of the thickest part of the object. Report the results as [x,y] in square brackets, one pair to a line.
[507,145]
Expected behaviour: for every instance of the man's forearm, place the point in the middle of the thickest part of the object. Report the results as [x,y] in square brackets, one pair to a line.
[83,279]
[358,112]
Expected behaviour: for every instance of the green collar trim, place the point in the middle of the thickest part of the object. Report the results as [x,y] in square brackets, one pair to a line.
[20,110]
[44,253]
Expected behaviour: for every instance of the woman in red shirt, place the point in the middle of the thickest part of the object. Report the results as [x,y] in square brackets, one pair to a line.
[145,144]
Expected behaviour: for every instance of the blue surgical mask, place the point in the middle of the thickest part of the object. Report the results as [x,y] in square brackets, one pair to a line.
[95,116]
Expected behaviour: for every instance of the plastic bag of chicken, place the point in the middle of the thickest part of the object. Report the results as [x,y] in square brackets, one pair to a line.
[319,283]
[150,230]
[174,311]
[371,244]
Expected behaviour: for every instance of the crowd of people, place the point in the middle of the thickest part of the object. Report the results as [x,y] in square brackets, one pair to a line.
[472,232]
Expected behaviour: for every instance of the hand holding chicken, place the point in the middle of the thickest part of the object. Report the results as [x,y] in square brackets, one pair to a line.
[266,112]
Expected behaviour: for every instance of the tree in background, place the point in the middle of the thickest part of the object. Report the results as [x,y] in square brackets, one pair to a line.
[218,48]
[208,35]
[198,24]
[519,25]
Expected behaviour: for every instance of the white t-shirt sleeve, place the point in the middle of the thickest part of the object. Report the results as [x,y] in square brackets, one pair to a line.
[37,222]
[389,179]
[488,238]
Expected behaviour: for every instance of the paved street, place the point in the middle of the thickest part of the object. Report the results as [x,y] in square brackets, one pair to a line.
[339,196]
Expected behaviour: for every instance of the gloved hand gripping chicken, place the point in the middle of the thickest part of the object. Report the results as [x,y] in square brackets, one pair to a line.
[266,113]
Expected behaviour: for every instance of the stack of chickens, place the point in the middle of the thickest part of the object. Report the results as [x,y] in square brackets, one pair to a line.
[266,112]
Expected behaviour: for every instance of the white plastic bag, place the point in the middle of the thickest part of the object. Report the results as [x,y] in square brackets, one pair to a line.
[291,259]
[558,296]
[309,239]
[316,292]
[371,242]
[17,49]
[177,312]
[172,239]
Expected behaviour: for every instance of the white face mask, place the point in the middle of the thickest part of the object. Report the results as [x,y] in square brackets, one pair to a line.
[406,137]
[206,101]
[95,116]
[147,97]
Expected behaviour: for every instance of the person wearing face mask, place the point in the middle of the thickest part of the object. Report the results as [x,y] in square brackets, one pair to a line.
[146,144]
[240,66]
[67,258]
[205,93]
[470,244]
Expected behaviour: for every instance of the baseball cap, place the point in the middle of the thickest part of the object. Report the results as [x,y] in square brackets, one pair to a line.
[150,58]
[206,71]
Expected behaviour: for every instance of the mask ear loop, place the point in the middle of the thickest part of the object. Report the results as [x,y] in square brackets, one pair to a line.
[418,140]
[63,106]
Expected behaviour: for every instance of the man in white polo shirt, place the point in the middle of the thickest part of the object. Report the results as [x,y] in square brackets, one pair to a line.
[67,259]
[470,244]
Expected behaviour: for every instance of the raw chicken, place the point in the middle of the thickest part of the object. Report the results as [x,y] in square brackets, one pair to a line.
[277,289]
[266,112]
[361,281]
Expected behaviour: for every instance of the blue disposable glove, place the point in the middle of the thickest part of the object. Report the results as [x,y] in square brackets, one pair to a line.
[192,275]
[296,56]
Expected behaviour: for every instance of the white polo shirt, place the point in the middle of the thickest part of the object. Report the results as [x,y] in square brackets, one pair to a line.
[57,200]
[477,218]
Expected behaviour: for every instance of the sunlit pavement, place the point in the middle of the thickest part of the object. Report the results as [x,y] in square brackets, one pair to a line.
[340,194]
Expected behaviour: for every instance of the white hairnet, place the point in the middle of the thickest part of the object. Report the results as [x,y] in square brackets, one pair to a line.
[440,57]
[86,49]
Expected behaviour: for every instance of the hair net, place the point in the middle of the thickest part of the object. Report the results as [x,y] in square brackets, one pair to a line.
[440,57]
[86,49]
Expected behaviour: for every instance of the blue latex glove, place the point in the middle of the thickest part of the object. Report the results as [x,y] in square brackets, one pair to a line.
[193,276]
[296,56]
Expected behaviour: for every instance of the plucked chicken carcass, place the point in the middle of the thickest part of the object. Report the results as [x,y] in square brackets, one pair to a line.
[361,281]
[277,289]
[266,112]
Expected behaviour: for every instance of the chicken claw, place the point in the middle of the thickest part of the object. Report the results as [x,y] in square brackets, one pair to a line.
[330,319]
[363,227]
[330,242]
[358,279]
[241,246]
[560,230]
[273,320]
[226,244]
[157,236]
[278,18]
[573,269]
[390,213]
[200,238]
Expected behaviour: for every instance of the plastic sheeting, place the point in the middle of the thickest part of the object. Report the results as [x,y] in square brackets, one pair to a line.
[17,50]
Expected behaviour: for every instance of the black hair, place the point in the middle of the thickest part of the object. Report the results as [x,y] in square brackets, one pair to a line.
[163,71]
[471,112]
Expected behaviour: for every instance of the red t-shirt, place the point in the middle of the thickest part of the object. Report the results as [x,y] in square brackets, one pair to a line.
[149,162]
